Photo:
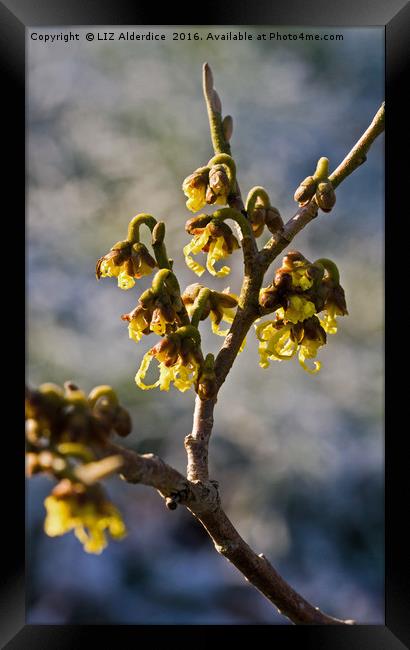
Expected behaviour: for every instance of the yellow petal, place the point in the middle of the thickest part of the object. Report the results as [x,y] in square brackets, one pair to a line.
[311,371]
[215,253]
[146,360]
[195,246]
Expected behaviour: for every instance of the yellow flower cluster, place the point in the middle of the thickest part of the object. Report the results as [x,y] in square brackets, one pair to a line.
[179,361]
[211,184]
[90,520]
[299,291]
[280,343]
[126,261]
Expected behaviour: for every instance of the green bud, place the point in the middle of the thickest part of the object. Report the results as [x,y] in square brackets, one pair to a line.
[158,233]
[273,220]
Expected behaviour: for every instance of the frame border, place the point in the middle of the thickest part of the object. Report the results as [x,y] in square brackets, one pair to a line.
[15,17]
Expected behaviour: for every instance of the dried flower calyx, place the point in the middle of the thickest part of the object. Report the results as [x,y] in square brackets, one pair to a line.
[299,291]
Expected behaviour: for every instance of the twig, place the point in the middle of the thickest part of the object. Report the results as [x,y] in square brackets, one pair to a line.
[202,500]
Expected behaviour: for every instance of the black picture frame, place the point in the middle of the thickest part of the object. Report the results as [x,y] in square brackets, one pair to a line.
[15,17]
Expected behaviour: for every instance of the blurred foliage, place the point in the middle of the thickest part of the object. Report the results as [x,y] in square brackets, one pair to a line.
[113,129]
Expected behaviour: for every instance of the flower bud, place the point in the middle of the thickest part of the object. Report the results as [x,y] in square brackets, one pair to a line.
[292,259]
[306,190]
[257,218]
[273,220]
[123,424]
[158,233]
[325,196]
[207,387]
[219,181]
[269,298]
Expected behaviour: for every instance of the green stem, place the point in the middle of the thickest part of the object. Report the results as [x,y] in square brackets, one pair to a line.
[136,223]
[158,245]
[159,280]
[254,194]
[189,331]
[199,305]
[330,267]
[235,215]
[103,391]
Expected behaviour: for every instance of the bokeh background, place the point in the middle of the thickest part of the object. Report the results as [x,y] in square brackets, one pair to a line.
[113,128]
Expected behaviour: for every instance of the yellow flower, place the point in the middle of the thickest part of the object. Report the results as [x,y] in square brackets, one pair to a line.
[125,261]
[328,320]
[308,350]
[280,341]
[299,309]
[178,363]
[183,375]
[275,343]
[218,241]
[301,279]
[194,187]
[89,519]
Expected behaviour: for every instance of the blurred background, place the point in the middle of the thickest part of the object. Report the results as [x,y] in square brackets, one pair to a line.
[113,129]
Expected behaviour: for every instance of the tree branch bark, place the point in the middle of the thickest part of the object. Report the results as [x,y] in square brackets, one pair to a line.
[202,500]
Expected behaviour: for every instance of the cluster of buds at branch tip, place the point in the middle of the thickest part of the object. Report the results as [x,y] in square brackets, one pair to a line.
[212,236]
[299,291]
[261,213]
[179,359]
[211,184]
[65,431]
[160,308]
[318,186]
